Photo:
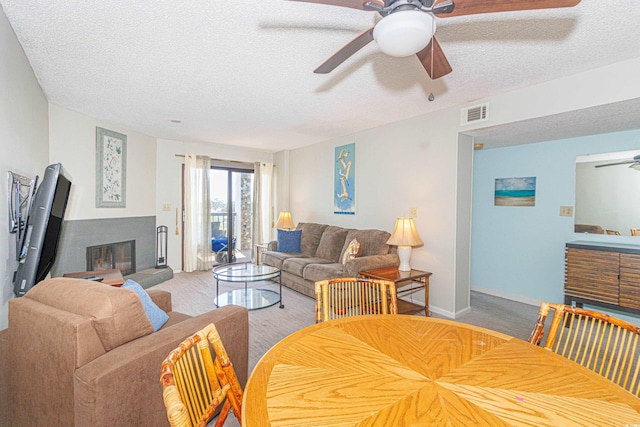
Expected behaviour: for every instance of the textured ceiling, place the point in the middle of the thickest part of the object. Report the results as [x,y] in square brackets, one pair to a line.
[240,73]
[615,117]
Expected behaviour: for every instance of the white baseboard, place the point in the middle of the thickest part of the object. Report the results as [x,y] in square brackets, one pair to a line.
[441,312]
[507,295]
[462,312]
[449,314]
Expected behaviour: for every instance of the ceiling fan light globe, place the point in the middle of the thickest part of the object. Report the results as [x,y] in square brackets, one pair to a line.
[404,33]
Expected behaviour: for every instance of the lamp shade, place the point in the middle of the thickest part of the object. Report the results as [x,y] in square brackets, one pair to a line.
[404,33]
[404,233]
[285,222]
[404,236]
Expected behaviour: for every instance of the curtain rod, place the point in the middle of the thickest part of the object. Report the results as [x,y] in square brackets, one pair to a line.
[224,160]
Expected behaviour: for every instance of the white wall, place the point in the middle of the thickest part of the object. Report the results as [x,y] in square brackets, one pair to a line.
[73,143]
[399,166]
[463,224]
[169,183]
[24,141]
[415,163]
[518,252]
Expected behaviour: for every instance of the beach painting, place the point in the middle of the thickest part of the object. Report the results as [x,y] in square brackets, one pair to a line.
[515,191]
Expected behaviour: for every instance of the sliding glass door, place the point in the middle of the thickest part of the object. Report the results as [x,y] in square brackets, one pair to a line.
[231,214]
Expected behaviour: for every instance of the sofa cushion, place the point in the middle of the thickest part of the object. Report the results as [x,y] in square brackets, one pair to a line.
[317,272]
[289,241]
[354,250]
[372,242]
[156,316]
[331,243]
[297,265]
[311,235]
[118,316]
[275,259]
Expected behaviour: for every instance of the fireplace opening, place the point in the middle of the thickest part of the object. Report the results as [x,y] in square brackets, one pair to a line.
[118,255]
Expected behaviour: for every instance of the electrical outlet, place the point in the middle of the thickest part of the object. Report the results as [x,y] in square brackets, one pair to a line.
[413,212]
[166,207]
[566,210]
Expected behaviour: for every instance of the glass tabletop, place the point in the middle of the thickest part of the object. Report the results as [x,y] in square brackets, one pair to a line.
[245,272]
[252,299]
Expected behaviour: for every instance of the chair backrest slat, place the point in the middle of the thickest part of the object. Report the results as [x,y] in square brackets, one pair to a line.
[604,344]
[343,297]
[194,384]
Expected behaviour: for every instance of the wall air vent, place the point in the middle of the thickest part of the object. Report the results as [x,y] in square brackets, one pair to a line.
[474,114]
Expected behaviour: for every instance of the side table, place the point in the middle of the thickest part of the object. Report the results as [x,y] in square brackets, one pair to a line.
[405,282]
[259,248]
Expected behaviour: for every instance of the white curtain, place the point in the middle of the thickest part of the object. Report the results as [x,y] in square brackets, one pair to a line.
[262,202]
[197,227]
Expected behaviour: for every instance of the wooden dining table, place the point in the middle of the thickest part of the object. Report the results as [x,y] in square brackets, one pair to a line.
[399,370]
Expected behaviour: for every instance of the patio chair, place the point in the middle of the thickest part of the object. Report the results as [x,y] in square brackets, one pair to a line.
[194,384]
[602,343]
[337,298]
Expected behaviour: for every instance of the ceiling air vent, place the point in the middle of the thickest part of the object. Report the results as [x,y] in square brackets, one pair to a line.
[474,114]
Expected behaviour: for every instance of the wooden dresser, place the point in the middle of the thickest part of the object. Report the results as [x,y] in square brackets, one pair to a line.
[603,274]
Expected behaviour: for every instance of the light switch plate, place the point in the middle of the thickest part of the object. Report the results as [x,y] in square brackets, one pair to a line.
[166,207]
[413,212]
[566,210]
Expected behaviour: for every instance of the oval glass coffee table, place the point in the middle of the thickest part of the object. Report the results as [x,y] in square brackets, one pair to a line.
[247,272]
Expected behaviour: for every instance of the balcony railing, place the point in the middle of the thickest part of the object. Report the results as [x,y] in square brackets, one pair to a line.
[219,224]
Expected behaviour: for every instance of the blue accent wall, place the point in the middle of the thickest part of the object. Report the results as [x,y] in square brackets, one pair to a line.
[518,252]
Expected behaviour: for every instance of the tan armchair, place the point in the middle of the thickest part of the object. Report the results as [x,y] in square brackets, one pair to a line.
[84,353]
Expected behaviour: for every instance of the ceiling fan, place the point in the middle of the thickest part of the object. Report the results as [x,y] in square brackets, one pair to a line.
[633,163]
[407,27]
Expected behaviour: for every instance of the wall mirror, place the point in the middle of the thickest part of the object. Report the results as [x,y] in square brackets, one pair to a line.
[608,193]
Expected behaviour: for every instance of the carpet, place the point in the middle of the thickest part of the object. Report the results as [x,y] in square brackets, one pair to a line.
[194,294]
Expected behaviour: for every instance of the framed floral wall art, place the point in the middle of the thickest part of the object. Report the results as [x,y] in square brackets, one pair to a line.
[111,169]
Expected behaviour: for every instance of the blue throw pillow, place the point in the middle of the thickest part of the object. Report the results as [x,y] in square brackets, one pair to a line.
[289,241]
[156,315]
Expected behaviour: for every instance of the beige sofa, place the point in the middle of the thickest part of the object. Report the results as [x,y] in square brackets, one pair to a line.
[322,248]
[84,353]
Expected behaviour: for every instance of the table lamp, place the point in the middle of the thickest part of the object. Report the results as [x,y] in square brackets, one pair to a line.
[285,222]
[404,236]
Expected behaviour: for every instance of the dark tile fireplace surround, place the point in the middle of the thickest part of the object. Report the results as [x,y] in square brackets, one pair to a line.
[79,235]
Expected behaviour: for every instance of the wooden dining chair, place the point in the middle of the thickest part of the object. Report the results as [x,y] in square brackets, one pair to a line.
[635,231]
[344,297]
[612,232]
[602,343]
[194,384]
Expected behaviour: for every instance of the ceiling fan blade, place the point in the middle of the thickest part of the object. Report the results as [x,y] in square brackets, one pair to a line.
[345,53]
[472,7]
[433,60]
[625,162]
[353,4]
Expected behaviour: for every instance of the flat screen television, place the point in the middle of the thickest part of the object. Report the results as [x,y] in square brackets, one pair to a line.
[43,227]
